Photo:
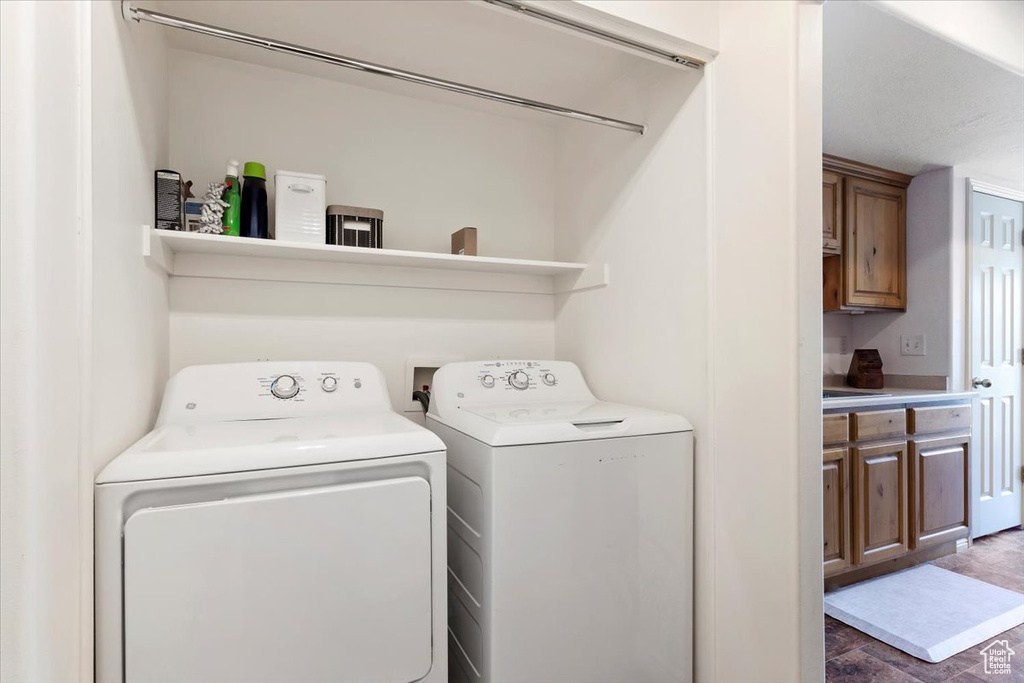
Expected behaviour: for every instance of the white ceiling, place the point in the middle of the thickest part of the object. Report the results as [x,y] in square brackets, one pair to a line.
[901,98]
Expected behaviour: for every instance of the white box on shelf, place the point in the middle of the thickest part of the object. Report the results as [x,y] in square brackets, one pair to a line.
[301,207]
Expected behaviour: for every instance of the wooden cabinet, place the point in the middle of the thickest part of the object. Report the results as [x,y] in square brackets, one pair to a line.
[881,506]
[940,489]
[831,213]
[875,249]
[875,424]
[864,237]
[835,429]
[890,500]
[938,419]
[835,484]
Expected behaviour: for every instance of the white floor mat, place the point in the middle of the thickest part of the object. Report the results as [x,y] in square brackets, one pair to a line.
[928,612]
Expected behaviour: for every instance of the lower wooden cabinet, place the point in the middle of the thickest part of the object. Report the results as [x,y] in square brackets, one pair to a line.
[940,489]
[895,488]
[835,483]
[881,502]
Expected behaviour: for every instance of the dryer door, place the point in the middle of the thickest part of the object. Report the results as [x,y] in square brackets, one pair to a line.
[326,584]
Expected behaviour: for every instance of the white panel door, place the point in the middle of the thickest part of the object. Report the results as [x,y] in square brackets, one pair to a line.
[996,312]
[329,584]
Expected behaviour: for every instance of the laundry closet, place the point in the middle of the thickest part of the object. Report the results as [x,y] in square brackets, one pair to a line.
[592,239]
[661,263]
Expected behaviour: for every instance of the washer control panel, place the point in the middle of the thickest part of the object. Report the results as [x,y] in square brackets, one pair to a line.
[515,375]
[247,391]
[508,381]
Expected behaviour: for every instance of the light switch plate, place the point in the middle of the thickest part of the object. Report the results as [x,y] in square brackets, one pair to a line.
[911,344]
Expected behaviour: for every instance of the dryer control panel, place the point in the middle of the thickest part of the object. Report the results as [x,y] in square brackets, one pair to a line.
[507,381]
[267,390]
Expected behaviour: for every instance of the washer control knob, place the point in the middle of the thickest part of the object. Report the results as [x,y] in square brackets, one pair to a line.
[519,380]
[548,378]
[487,381]
[329,384]
[284,386]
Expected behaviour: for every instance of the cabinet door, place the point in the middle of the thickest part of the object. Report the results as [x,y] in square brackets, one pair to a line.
[880,502]
[831,212]
[835,484]
[874,248]
[939,489]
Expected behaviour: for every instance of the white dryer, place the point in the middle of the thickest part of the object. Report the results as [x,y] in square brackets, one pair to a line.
[276,525]
[570,529]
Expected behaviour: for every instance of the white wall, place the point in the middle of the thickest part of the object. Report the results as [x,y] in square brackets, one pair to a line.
[638,205]
[709,308]
[42,595]
[433,168]
[765,354]
[221,321]
[837,348]
[129,300]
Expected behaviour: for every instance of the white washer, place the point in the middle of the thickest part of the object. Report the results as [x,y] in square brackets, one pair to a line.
[570,529]
[274,526]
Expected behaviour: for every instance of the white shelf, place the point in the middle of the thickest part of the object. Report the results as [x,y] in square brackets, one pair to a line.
[196,255]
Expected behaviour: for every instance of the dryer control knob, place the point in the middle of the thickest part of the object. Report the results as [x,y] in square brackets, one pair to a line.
[487,381]
[284,386]
[519,380]
[329,383]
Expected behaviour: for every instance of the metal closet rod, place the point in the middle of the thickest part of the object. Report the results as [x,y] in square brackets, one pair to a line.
[139,14]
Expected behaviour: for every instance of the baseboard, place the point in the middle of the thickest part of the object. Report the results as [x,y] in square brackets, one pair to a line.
[894,565]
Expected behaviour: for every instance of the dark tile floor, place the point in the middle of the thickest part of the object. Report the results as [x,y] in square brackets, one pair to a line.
[855,657]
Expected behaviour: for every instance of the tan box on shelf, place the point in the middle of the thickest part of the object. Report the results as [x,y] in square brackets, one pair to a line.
[464,242]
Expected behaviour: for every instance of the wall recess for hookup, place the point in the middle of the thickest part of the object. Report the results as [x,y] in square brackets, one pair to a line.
[419,372]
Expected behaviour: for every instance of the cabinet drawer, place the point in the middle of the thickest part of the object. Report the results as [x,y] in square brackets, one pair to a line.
[938,419]
[835,429]
[877,424]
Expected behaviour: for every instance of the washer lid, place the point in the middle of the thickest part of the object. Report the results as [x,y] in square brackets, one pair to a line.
[517,424]
[186,450]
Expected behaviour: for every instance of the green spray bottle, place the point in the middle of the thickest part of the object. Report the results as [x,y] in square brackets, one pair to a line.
[233,211]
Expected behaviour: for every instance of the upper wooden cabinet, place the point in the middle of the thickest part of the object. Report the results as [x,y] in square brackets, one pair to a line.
[875,254]
[864,237]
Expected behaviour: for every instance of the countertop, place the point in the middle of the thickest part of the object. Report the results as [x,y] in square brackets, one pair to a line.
[896,397]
